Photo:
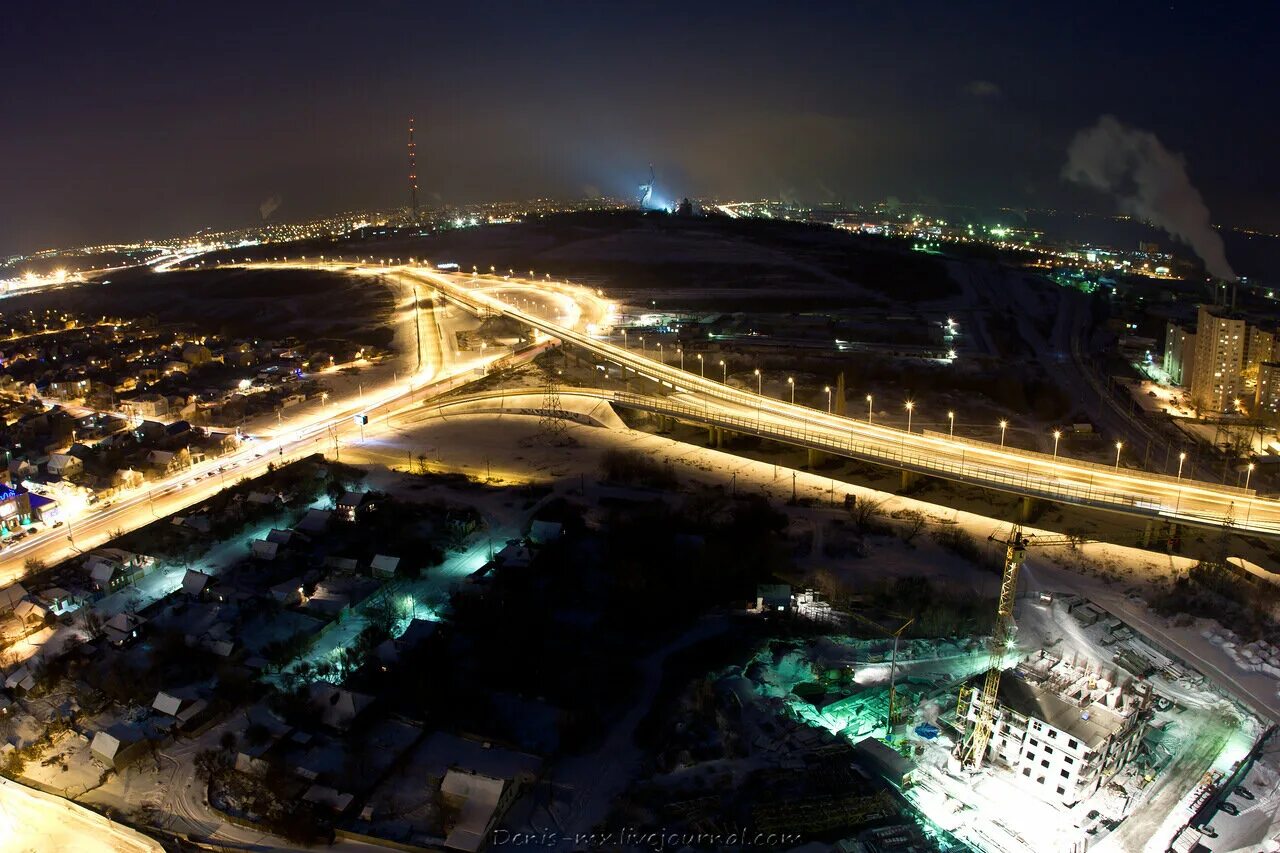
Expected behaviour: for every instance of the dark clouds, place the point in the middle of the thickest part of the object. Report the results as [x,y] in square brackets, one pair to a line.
[135,119]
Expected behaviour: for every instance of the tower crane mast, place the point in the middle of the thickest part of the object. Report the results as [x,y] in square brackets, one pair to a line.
[973,749]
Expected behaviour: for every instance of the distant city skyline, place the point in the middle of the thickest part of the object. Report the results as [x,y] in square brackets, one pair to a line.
[134,123]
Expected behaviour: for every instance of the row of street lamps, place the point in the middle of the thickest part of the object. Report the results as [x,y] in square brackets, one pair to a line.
[909,406]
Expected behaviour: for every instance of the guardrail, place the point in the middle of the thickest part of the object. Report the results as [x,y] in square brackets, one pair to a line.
[962,471]
[1080,463]
[976,473]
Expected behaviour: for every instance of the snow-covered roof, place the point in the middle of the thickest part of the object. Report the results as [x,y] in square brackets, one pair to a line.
[514,555]
[194,582]
[480,796]
[124,622]
[338,707]
[315,521]
[221,648]
[265,550]
[166,704]
[542,532]
[16,677]
[382,563]
[11,595]
[28,610]
[326,796]
[282,537]
[105,745]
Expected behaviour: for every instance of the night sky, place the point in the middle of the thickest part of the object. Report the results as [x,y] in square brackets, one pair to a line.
[127,120]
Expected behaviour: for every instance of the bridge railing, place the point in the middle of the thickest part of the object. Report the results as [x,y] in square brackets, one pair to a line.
[1079,463]
[962,470]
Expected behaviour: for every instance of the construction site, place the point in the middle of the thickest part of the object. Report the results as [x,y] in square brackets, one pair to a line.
[1065,730]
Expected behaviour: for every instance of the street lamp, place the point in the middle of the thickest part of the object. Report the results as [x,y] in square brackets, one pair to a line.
[827,388]
[1248,472]
[1057,434]
[1004,425]
[1119,444]
[868,408]
[759,383]
[951,420]
[681,351]
[724,369]
[792,383]
[662,357]
[1182,457]
[702,367]
[910,408]
[624,338]
[642,345]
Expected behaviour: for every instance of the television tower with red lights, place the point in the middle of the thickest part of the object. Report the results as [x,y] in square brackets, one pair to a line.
[413,173]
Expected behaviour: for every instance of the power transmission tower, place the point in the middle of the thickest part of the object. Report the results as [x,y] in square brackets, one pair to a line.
[551,417]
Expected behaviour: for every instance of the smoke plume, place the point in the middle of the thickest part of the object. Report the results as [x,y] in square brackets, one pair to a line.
[1148,181]
[268,207]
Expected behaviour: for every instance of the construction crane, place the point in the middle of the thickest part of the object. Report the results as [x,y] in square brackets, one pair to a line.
[971,751]
[894,714]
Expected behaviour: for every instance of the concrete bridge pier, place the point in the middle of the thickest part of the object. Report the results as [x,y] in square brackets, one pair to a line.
[1028,508]
[909,478]
[1146,533]
[816,457]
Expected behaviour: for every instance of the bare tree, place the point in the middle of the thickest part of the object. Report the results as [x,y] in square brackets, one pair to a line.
[915,522]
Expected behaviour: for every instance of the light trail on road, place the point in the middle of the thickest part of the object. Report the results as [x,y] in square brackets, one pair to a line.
[1026,473]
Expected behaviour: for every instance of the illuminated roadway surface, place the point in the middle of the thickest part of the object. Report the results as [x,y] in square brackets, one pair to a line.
[579,315]
[1036,475]
[307,433]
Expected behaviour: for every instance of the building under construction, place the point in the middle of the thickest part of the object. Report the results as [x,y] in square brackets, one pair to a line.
[1062,730]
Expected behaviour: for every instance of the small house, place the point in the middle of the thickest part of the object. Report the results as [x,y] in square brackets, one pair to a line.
[338,707]
[352,505]
[10,596]
[545,532]
[118,746]
[315,521]
[264,549]
[383,566]
[64,465]
[122,628]
[195,583]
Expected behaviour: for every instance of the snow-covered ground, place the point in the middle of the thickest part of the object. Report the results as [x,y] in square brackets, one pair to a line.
[35,822]
[507,447]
